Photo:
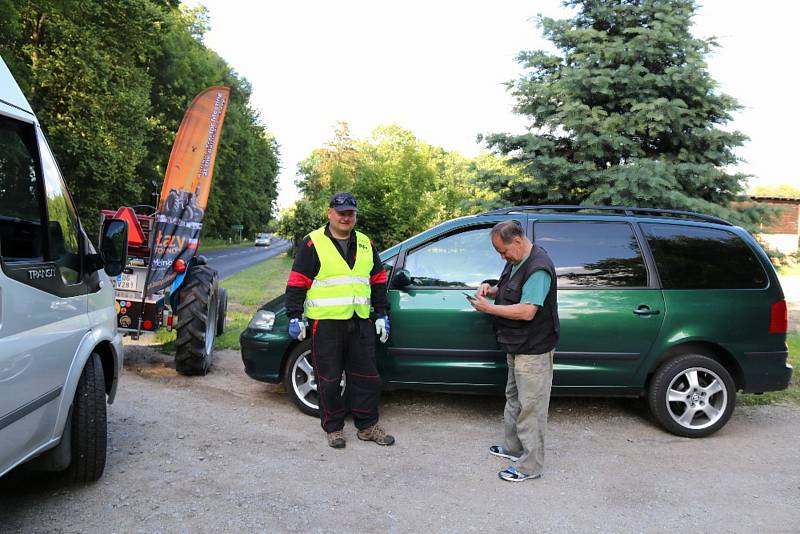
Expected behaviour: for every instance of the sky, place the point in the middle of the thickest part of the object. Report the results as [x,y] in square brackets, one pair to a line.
[438,67]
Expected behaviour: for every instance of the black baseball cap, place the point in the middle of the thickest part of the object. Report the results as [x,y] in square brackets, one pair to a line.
[343,202]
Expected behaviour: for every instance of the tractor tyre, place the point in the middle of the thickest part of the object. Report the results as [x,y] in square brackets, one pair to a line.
[222,310]
[197,321]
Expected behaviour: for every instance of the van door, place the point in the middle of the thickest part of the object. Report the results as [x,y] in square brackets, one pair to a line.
[437,337]
[43,297]
[609,304]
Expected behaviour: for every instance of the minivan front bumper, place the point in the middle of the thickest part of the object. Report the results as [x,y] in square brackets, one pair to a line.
[262,354]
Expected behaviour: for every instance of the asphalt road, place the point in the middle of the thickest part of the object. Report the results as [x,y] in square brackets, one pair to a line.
[230,261]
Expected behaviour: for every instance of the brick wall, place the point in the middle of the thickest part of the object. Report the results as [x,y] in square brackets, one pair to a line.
[787,221]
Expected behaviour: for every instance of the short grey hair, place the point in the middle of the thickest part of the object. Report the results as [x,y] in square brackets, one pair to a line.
[507,231]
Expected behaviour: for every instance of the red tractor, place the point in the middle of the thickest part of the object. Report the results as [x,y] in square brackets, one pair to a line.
[194,304]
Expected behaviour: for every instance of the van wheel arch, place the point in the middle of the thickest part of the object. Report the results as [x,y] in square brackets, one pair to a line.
[702,348]
[106,354]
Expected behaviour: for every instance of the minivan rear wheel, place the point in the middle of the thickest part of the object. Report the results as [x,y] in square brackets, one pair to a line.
[692,395]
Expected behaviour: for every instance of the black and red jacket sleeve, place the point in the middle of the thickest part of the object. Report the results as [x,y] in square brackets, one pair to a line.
[304,269]
[377,281]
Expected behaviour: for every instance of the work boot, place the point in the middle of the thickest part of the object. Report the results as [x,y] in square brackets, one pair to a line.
[336,439]
[377,434]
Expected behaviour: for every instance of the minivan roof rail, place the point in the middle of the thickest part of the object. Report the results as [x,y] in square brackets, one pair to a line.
[614,210]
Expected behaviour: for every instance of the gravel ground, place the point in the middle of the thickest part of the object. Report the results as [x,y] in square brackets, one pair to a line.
[224,453]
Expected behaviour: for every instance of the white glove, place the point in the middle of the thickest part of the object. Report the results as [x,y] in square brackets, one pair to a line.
[382,329]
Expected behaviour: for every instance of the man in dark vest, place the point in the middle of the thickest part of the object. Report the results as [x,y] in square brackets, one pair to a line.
[527,327]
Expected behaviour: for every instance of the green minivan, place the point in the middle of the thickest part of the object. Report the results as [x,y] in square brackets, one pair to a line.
[683,308]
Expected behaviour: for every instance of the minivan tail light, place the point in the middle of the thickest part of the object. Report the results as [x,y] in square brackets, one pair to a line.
[779,318]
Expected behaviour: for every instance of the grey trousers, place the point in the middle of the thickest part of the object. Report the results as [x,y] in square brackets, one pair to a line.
[530,378]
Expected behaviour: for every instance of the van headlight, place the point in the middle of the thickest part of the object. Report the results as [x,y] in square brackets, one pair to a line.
[262,320]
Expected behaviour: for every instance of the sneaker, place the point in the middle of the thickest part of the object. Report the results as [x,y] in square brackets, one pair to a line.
[377,434]
[512,474]
[502,452]
[336,439]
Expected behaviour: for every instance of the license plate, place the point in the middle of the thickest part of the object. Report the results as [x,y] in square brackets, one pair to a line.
[126,281]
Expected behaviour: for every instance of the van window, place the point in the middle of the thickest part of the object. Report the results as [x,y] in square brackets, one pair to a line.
[593,254]
[464,259]
[62,227]
[693,257]
[20,199]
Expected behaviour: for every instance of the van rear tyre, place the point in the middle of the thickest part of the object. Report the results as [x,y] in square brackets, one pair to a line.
[692,395]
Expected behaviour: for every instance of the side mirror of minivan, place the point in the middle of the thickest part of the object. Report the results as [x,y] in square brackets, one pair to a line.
[114,246]
[402,278]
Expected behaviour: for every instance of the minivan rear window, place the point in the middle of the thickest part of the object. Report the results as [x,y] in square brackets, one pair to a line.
[694,257]
[593,254]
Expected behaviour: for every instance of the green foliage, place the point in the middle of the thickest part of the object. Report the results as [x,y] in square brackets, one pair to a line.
[782,190]
[75,61]
[402,185]
[110,81]
[624,113]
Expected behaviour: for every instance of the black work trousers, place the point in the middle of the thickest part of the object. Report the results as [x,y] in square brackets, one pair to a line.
[349,346]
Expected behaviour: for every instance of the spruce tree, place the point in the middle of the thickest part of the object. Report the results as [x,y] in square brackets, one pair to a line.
[624,113]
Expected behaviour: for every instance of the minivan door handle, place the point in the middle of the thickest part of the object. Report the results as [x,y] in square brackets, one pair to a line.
[645,310]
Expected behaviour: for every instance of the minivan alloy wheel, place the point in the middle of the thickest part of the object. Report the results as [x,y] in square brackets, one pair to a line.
[301,382]
[696,398]
[692,395]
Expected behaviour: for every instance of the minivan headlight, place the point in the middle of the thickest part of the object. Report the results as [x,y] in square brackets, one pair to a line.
[262,320]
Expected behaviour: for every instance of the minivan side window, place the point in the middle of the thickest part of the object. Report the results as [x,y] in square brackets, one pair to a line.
[593,254]
[20,198]
[62,228]
[464,259]
[693,257]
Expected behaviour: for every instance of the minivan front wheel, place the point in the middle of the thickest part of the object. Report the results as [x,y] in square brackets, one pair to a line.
[300,380]
[692,395]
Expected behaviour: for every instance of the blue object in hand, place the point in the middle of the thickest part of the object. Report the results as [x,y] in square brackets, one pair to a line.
[297,329]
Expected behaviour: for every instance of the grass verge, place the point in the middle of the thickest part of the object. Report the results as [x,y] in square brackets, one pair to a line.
[208,244]
[247,291]
[788,395]
[787,270]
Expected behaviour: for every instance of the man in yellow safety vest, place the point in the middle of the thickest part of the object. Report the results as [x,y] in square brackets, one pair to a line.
[336,278]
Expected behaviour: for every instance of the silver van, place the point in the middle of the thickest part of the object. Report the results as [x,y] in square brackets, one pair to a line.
[60,352]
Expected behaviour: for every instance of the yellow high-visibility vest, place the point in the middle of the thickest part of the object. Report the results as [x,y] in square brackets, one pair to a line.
[339,291]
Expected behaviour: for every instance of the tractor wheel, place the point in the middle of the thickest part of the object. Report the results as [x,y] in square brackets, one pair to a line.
[222,310]
[197,321]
